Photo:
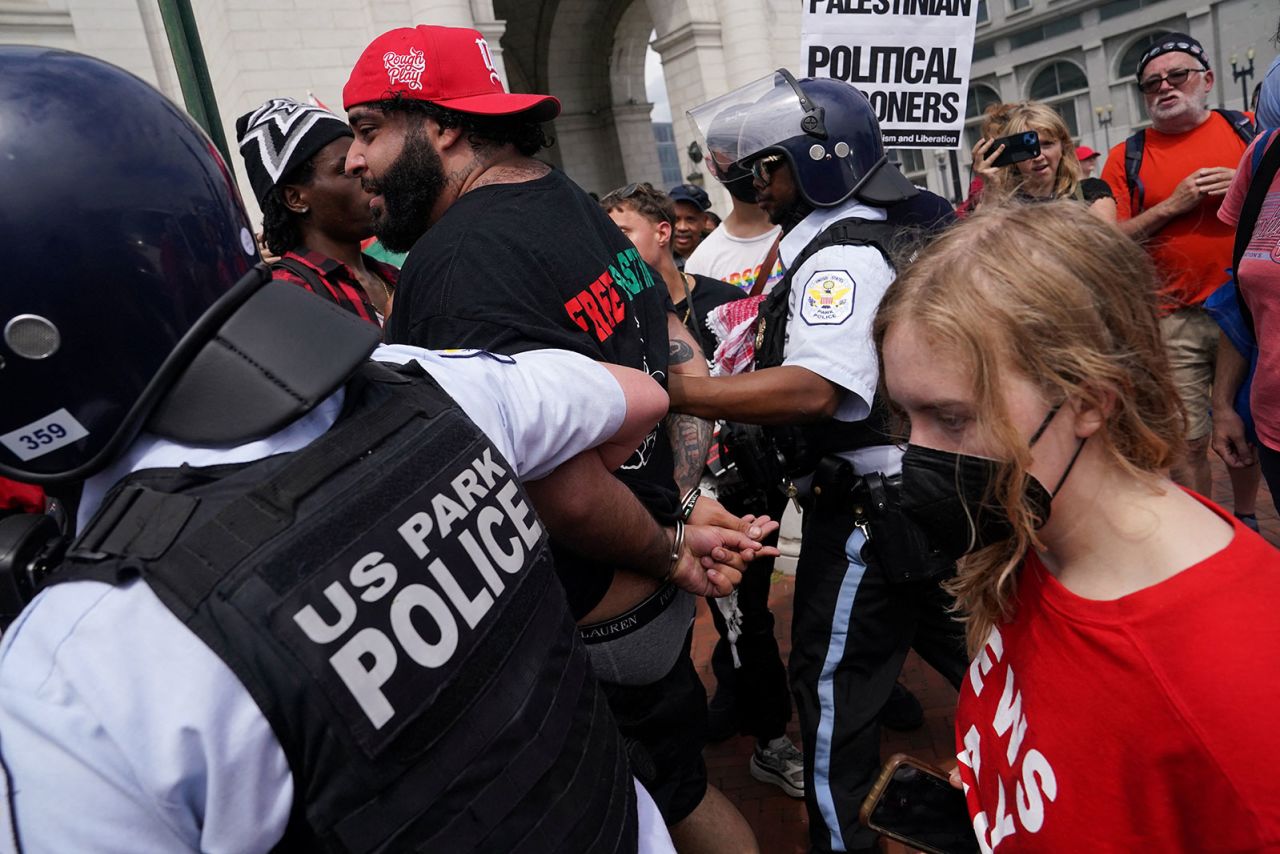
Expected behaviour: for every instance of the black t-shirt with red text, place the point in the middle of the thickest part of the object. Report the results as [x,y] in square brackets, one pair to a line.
[516,267]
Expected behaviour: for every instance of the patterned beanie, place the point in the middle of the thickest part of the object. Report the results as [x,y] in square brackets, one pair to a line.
[1174,42]
[281,135]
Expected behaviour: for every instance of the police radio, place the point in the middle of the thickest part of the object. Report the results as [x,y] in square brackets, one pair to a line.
[31,547]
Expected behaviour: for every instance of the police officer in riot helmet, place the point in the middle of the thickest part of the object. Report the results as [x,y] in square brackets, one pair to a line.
[867,583]
[307,605]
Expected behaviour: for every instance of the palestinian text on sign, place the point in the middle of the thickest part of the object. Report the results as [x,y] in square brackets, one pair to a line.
[910,57]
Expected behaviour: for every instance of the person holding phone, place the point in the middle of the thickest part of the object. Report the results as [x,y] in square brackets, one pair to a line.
[1009,167]
[1122,693]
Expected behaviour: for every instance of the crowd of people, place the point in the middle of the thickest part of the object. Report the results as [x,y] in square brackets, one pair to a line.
[330,554]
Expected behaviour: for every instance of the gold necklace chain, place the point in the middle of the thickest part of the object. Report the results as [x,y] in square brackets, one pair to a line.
[386,291]
[689,284]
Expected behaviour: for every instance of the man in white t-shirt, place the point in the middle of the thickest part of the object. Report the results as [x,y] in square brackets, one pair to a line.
[736,250]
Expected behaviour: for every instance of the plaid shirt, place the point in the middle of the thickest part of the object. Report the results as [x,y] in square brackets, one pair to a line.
[342,286]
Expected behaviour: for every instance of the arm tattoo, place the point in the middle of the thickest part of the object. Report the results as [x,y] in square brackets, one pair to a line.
[679,352]
[690,441]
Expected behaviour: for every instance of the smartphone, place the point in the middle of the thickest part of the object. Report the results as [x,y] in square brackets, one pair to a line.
[916,804]
[1017,147]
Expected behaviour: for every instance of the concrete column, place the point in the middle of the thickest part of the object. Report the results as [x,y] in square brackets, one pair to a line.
[1095,67]
[113,30]
[493,30]
[694,67]
[445,13]
[634,128]
[589,150]
[748,41]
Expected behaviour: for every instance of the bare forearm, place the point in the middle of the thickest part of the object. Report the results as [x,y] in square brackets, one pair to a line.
[690,443]
[783,395]
[1148,223]
[690,435]
[588,510]
[1232,368]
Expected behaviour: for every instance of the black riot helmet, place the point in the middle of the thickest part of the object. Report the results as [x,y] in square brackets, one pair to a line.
[826,129]
[133,295]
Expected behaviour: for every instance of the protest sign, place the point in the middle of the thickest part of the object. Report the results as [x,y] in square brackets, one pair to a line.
[910,57]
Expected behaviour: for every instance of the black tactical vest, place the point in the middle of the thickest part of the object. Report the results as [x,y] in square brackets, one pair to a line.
[805,445]
[387,598]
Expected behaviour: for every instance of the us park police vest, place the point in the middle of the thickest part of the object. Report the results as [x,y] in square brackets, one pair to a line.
[387,597]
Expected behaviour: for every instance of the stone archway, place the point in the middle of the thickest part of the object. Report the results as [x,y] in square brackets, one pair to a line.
[632,111]
[590,54]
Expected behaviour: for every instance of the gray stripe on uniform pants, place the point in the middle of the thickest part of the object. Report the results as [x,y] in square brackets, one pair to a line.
[826,685]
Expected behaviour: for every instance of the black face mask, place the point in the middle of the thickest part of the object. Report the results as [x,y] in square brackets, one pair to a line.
[947,495]
[741,188]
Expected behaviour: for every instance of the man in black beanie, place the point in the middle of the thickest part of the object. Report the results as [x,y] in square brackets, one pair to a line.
[1168,181]
[314,215]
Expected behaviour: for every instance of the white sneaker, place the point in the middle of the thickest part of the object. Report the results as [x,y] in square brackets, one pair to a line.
[780,763]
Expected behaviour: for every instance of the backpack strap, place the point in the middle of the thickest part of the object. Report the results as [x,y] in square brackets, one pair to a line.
[308,275]
[1266,166]
[1255,158]
[1240,123]
[766,267]
[854,231]
[1133,147]
[137,522]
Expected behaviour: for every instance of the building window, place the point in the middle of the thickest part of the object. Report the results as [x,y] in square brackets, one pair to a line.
[980,97]
[984,50]
[983,16]
[1120,7]
[1058,85]
[911,162]
[668,155]
[1019,5]
[1128,64]
[1069,24]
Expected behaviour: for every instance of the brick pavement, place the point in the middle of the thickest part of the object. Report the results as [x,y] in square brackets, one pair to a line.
[779,822]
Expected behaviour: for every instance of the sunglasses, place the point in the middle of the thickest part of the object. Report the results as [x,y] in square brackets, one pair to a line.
[762,169]
[631,189]
[1176,78]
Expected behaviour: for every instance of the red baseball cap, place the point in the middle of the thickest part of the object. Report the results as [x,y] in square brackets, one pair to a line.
[1084,152]
[448,66]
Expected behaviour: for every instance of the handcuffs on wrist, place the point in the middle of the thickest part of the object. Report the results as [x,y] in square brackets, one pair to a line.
[677,549]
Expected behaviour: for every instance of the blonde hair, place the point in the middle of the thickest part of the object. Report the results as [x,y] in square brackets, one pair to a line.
[1005,119]
[1053,293]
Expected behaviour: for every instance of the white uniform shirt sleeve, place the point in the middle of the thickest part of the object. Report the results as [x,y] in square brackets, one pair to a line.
[122,732]
[833,301]
[539,408]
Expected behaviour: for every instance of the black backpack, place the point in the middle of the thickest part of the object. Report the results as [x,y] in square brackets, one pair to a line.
[1134,145]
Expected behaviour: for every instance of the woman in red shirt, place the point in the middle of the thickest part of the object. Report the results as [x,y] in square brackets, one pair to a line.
[1122,694]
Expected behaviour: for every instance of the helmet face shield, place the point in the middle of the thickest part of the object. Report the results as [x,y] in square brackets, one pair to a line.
[745,122]
[825,129]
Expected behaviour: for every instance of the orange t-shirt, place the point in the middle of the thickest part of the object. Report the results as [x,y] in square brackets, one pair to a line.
[1192,252]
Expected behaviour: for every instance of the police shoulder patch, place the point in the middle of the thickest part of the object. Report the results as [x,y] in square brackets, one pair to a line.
[827,298]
